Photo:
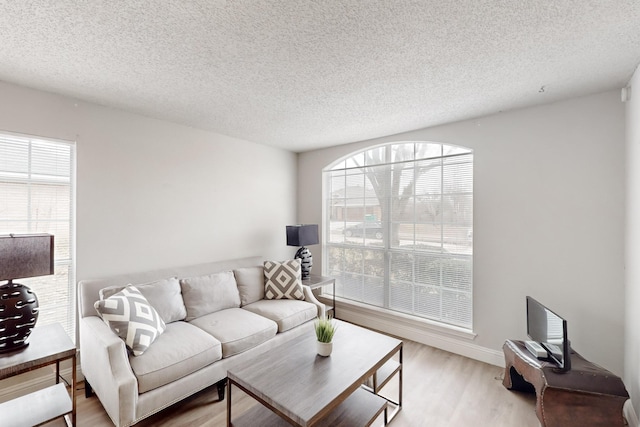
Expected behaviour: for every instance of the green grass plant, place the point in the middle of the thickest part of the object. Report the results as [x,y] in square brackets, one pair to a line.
[325,328]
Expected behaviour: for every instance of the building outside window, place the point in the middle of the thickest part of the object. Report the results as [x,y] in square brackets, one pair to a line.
[398,231]
[37,188]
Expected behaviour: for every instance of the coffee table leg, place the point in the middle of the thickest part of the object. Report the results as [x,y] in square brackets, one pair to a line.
[398,404]
[400,391]
[228,402]
[73,390]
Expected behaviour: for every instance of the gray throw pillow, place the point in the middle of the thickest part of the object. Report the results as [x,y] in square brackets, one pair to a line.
[208,294]
[283,280]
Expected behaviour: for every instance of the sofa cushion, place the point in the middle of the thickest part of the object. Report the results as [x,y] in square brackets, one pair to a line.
[164,295]
[250,282]
[237,329]
[283,280]
[208,294]
[181,350]
[285,312]
[132,318]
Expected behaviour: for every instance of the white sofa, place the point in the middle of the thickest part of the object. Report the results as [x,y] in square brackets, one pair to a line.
[192,353]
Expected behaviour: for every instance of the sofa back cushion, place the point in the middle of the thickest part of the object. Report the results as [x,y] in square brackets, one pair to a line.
[88,289]
[164,295]
[250,284]
[210,293]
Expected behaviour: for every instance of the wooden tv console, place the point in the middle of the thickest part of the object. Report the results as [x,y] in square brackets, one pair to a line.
[587,395]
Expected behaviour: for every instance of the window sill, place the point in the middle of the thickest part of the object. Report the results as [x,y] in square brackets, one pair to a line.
[448,338]
[399,320]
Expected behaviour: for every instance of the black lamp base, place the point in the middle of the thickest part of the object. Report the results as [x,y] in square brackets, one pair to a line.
[14,348]
[306,260]
[18,316]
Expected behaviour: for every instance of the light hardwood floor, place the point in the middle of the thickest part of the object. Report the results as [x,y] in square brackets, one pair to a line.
[440,390]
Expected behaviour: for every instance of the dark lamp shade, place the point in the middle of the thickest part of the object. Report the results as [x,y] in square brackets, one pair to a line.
[25,255]
[302,235]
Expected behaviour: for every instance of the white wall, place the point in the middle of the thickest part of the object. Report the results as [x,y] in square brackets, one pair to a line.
[548,217]
[155,194]
[632,249]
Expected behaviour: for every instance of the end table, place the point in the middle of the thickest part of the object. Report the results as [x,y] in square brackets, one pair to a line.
[48,344]
[315,282]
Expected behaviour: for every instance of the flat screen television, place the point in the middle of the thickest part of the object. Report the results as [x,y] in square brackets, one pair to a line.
[550,331]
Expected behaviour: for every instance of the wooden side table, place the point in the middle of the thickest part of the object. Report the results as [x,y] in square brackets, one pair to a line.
[315,282]
[48,344]
[587,395]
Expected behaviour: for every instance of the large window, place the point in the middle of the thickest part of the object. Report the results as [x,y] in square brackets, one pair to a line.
[36,196]
[399,228]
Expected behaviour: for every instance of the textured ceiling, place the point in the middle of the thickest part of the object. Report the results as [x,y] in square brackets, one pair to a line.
[304,74]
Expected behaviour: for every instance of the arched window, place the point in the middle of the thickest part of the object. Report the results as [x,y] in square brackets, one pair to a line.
[399,228]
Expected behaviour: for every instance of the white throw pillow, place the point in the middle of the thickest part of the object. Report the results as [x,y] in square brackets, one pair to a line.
[132,318]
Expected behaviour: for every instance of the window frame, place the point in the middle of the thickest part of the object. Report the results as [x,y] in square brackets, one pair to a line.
[381,156]
[57,164]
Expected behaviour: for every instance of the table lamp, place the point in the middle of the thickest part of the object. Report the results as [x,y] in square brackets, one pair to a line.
[21,256]
[302,235]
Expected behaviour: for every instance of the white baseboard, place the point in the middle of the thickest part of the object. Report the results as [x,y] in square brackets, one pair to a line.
[453,340]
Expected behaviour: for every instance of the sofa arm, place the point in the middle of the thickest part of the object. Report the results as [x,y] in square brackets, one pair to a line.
[310,297]
[105,364]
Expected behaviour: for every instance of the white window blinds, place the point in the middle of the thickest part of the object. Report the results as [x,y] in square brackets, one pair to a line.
[36,196]
[399,229]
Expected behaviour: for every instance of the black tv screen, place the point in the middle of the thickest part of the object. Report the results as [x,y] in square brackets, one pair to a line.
[550,330]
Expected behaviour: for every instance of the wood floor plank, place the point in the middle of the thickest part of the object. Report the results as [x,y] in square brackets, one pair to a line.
[441,389]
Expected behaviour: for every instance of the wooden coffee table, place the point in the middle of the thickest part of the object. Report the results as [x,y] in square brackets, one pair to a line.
[296,386]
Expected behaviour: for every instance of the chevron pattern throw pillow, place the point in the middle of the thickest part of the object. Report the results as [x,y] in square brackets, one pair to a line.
[282,280]
[132,318]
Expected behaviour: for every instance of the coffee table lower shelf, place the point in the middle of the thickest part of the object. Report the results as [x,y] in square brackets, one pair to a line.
[379,379]
[362,408]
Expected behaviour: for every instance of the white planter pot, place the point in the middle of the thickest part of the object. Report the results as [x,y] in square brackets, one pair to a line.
[324,348]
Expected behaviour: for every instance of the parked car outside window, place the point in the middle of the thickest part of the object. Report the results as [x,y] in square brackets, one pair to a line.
[364,229]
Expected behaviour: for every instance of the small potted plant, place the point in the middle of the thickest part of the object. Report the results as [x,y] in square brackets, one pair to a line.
[325,329]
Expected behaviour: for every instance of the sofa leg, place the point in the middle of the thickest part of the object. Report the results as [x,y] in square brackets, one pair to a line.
[88,391]
[222,385]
